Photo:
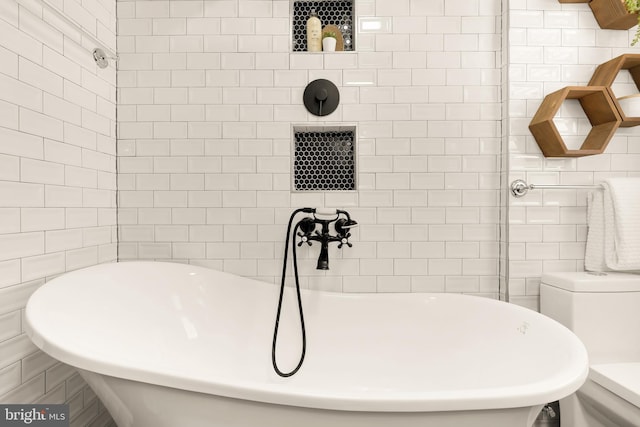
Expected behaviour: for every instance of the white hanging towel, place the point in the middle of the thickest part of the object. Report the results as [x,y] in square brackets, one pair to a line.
[622,223]
[594,253]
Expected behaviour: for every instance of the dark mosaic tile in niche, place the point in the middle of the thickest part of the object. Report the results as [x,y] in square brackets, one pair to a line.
[324,160]
[338,13]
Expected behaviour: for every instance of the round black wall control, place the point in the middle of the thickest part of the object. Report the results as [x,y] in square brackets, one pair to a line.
[321,97]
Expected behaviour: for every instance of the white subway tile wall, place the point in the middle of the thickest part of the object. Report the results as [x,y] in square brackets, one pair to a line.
[57,181]
[210,91]
[552,45]
[208,94]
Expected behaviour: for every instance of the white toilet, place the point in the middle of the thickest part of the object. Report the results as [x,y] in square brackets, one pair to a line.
[603,310]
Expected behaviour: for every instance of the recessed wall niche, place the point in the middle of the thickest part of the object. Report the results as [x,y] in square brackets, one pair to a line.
[324,158]
[339,13]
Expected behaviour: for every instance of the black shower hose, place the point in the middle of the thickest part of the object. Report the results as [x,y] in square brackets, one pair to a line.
[295,273]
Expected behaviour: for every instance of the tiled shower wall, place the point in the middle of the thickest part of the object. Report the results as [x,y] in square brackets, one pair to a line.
[209,92]
[57,181]
[553,45]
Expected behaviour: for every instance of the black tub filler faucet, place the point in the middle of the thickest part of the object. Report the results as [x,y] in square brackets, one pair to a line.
[307,230]
[322,219]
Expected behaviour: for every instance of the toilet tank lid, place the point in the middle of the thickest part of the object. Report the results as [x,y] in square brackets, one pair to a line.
[583,281]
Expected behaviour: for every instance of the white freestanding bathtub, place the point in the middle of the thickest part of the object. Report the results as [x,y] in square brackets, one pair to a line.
[174,345]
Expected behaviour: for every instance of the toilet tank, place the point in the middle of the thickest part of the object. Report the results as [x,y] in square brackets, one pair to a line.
[602,309]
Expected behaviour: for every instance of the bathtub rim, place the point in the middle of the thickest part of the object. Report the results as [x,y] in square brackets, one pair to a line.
[530,394]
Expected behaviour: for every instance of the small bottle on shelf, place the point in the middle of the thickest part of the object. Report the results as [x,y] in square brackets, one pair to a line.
[314,33]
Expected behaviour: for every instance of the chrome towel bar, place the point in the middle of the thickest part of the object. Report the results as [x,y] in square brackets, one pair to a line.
[520,188]
[100,53]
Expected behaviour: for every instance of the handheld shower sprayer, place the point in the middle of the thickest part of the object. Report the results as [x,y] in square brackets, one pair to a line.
[343,226]
[324,217]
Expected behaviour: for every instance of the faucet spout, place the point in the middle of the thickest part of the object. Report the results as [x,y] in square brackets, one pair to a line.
[323,259]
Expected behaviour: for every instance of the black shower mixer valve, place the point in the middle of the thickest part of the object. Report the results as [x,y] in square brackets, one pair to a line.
[342,224]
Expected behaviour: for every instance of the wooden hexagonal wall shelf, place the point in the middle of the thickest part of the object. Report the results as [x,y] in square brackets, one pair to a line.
[610,14]
[613,14]
[599,109]
[606,74]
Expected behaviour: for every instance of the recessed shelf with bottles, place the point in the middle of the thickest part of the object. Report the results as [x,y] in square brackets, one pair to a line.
[337,16]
